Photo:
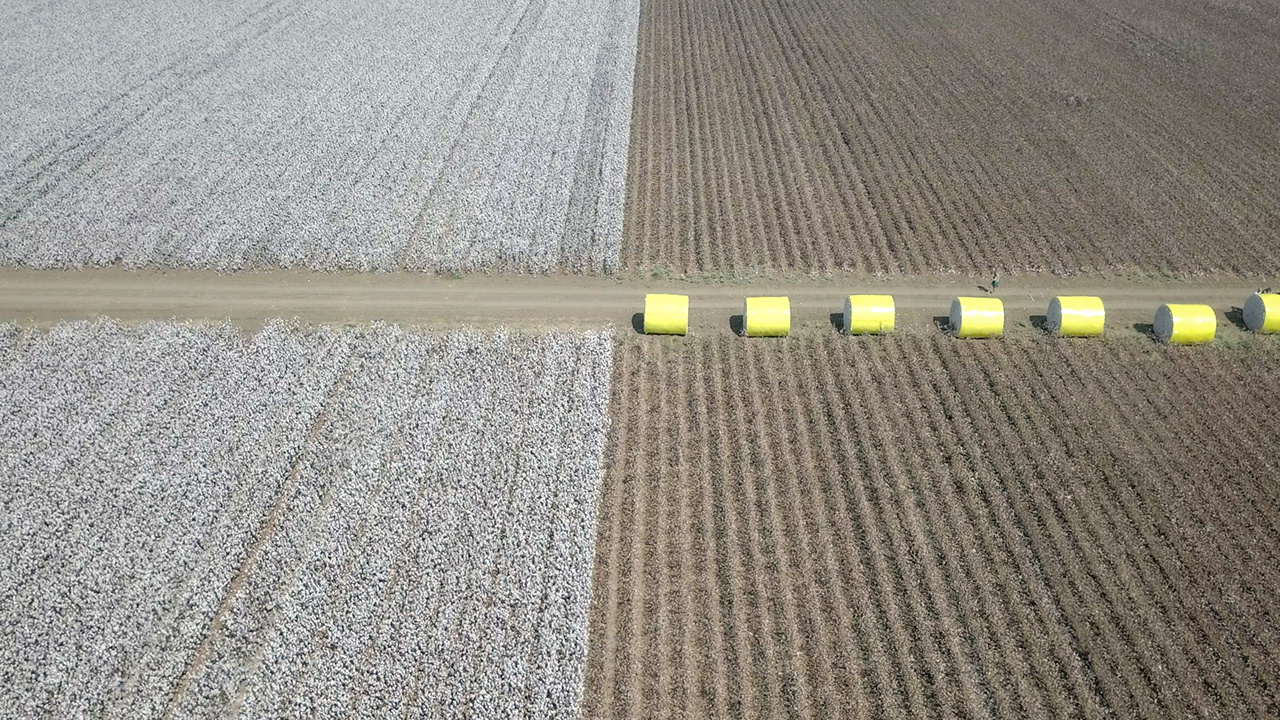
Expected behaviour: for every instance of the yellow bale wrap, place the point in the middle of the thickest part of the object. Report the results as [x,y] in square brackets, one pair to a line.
[1185,324]
[1262,313]
[868,314]
[766,317]
[977,317]
[1076,316]
[666,314]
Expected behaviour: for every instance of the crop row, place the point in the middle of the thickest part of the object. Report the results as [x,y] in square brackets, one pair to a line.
[914,527]
[304,523]
[801,135]
[324,135]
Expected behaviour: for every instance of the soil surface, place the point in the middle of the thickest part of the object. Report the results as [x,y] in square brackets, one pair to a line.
[915,527]
[926,136]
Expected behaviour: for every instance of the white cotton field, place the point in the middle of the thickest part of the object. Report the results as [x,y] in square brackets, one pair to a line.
[378,135]
[302,523]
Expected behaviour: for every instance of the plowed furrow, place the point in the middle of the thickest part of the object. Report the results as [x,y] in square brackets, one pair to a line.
[977,428]
[711,643]
[1146,503]
[967,523]
[1181,552]
[919,526]
[887,685]
[794,514]
[924,540]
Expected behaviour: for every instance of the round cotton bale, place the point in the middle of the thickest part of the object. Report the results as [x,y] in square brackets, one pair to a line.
[666,314]
[1076,316]
[1185,324]
[766,317]
[977,317]
[1262,313]
[868,314]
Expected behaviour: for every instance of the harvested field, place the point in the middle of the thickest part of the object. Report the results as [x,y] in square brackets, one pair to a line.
[375,136]
[914,526]
[305,523]
[915,137]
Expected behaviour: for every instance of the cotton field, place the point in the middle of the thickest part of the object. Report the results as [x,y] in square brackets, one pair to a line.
[301,523]
[365,136]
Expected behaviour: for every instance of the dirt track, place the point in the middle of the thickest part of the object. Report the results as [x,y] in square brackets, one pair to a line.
[247,299]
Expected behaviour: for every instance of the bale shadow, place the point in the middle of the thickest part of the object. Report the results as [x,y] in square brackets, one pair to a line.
[1236,316]
[943,322]
[1040,322]
[735,324]
[1146,329]
[837,321]
[637,323]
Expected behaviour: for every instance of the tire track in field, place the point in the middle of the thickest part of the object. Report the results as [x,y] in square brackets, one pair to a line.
[716,658]
[673,130]
[716,117]
[871,117]
[1238,376]
[1106,529]
[483,105]
[746,126]
[802,211]
[640,149]
[850,587]
[1117,517]
[929,596]
[666,642]
[584,195]
[1155,534]
[896,689]
[761,242]
[254,550]
[1196,440]
[770,644]
[1024,594]
[630,661]
[1013,434]
[768,112]
[47,169]
[688,562]
[706,205]
[923,223]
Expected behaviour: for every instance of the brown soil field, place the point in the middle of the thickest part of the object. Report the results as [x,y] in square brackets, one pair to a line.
[1069,136]
[919,526]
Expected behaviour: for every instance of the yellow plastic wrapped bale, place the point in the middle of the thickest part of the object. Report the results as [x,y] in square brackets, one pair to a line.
[1076,316]
[1262,313]
[1185,324]
[666,314]
[977,317]
[766,317]
[868,314]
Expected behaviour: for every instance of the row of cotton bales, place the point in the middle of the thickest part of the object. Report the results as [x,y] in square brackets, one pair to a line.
[970,317]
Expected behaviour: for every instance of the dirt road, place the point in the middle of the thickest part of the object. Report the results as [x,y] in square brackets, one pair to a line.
[43,297]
